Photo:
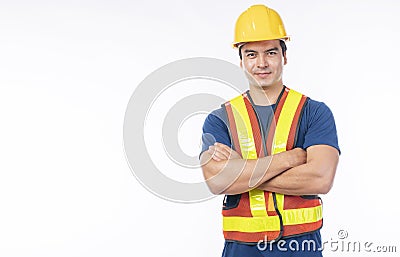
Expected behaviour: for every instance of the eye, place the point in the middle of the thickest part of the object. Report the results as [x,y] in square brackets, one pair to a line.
[251,55]
[271,53]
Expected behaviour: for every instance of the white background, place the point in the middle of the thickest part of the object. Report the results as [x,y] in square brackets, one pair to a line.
[68,69]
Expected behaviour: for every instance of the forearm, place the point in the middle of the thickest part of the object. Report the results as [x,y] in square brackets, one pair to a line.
[295,181]
[314,177]
[234,176]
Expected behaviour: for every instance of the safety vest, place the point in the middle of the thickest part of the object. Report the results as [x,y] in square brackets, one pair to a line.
[259,215]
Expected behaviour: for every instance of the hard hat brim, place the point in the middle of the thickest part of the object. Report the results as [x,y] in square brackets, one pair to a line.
[236,45]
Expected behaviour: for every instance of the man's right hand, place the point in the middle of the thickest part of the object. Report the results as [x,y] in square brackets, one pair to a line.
[221,152]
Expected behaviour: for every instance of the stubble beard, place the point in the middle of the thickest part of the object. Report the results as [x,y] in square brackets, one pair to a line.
[255,83]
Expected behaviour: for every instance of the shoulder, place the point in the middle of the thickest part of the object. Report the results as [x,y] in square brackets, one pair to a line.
[216,121]
[217,113]
[216,117]
[318,124]
[316,111]
[316,106]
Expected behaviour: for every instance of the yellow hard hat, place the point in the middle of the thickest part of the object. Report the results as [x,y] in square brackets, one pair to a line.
[259,23]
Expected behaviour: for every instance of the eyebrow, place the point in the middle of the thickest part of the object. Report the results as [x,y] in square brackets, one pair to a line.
[253,51]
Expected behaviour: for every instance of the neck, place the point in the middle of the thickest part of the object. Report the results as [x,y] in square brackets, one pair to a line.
[265,95]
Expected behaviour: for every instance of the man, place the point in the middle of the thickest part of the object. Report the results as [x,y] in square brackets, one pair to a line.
[271,151]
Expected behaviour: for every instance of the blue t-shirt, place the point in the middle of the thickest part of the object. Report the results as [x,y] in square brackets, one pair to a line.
[317,126]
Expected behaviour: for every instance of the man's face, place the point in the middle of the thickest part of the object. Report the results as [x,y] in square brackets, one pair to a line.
[263,62]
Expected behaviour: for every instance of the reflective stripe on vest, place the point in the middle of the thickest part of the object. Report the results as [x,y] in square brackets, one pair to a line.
[272,223]
[248,143]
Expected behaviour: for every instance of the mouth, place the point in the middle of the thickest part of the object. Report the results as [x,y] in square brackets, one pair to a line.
[262,74]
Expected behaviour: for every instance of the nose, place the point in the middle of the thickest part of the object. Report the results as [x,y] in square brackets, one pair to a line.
[262,62]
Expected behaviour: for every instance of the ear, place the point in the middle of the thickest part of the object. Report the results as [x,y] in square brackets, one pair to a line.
[284,60]
[241,64]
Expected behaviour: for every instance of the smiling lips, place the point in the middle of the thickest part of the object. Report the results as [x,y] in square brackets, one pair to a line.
[262,74]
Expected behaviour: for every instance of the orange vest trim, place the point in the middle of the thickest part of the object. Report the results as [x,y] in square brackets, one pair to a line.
[261,215]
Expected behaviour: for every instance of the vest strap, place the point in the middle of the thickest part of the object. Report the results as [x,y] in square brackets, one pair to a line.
[285,120]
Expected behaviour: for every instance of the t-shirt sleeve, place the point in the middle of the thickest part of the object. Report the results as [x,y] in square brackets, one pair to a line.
[215,130]
[321,129]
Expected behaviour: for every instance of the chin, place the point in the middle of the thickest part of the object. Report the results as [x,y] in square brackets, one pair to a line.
[264,85]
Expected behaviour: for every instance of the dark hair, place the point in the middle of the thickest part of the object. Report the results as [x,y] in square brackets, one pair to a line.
[281,42]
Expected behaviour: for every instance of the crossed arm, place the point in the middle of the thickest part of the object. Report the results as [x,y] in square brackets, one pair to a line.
[294,172]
